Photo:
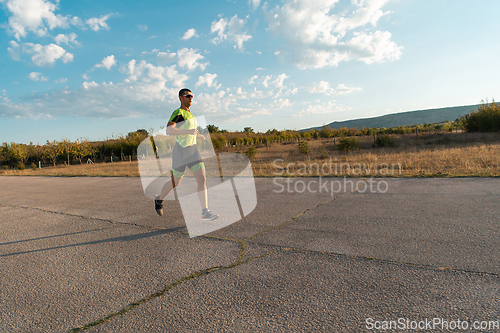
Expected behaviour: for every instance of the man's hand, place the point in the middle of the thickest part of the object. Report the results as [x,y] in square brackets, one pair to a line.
[201,136]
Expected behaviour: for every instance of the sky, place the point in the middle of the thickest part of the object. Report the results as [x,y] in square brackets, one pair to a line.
[95,70]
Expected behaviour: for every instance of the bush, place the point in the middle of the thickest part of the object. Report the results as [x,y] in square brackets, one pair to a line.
[251,152]
[385,141]
[218,141]
[33,166]
[5,167]
[21,166]
[485,119]
[346,144]
[323,152]
[304,147]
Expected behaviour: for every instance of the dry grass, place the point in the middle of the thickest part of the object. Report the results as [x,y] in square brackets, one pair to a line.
[117,169]
[478,160]
[438,155]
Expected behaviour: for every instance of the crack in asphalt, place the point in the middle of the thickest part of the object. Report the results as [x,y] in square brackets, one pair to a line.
[385,261]
[239,261]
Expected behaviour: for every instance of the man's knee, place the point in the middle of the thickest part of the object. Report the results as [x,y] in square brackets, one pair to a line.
[177,181]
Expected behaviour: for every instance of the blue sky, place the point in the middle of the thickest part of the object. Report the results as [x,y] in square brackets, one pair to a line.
[96,69]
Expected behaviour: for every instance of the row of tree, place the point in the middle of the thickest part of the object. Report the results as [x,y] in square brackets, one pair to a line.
[486,118]
[222,138]
[15,154]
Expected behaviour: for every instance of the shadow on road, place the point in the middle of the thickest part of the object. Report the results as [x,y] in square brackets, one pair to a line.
[54,236]
[102,241]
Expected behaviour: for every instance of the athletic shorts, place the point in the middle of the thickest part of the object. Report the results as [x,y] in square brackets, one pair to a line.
[183,157]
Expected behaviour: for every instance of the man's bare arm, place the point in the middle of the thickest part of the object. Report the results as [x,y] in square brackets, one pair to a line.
[172,130]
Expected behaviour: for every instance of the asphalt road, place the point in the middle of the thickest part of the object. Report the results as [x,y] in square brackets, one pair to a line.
[91,254]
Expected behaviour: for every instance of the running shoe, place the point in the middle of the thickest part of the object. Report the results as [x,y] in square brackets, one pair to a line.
[207,215]
[158,206]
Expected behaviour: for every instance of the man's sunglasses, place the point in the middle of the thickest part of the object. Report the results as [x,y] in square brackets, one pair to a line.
[188,96]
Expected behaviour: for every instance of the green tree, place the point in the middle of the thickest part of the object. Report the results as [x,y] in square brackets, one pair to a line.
[34,152]
[80,149]
[65,150]
[342,132]
[51,150]
[212,129]
[15,152]
[248,130]
[4,152]
[325,132]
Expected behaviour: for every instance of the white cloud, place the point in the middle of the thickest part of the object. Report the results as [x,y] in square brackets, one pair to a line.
[38,17]
[325,108]
[189,34]
[230,31]
[291,91]
[315,36]
[46,55]
[367,12]
[36,76]
[342,89]
[231,106]
[265,81]
[14,50]
[34,16]
[157,76]
[61,80]
[270,82]
[107,62]
[143,27]
[97,24]
[278,82]
[375,47]
[324,88]
[254,4]
[209,80]
[252,79]
[188,58]
[147,91]
[88,85]
[282,103]
[165,57]
[67,39]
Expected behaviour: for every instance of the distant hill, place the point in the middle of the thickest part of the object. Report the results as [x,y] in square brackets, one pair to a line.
[405,118]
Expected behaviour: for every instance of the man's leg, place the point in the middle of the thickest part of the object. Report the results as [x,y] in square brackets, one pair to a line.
[201,179]
[167,188]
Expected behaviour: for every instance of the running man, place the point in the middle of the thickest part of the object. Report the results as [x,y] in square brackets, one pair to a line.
[185,154]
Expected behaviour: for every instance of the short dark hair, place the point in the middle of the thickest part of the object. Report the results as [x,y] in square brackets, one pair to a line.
[183,91]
